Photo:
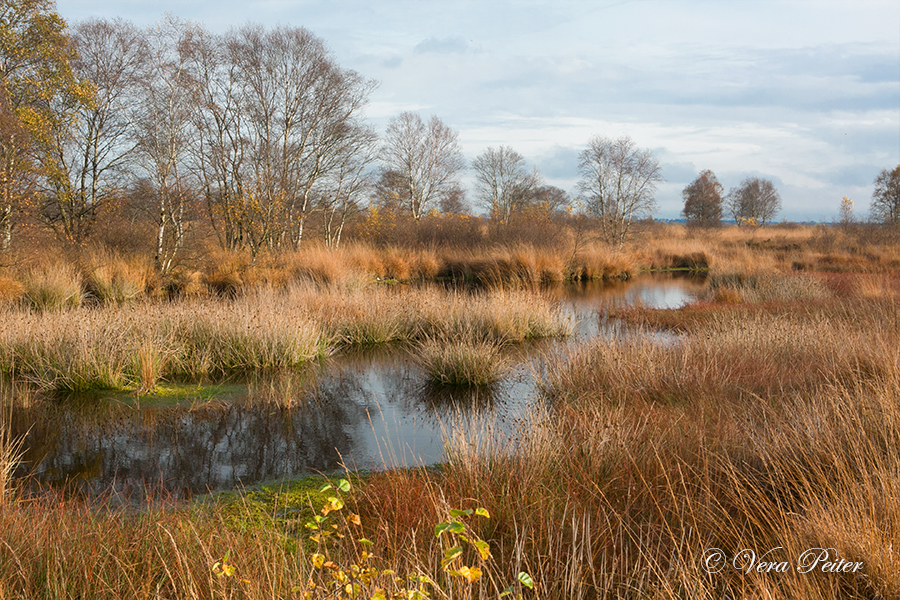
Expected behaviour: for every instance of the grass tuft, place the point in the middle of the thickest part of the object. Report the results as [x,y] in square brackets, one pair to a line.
[53,287]
[462,362]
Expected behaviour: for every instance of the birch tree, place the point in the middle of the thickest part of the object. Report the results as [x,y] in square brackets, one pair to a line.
[618,181]
[427,159]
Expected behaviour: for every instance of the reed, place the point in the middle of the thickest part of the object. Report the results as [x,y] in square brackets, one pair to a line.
[462,362]
[53,287]
[766,423]
[110,277]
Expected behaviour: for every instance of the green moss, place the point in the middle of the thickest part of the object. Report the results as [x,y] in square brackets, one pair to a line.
[287,505]
[165,394]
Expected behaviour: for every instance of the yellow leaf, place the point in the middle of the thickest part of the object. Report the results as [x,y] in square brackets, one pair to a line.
[472,574]
[318,560]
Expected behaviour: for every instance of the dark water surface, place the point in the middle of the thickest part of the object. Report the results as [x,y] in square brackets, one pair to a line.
[365,410]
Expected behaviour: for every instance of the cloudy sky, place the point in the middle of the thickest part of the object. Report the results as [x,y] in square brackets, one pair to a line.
[803,92]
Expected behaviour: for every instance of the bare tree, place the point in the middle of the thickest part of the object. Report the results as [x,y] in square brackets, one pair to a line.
[426,157]
[89,149]
[342,190]
[164,127]
[547,201]
[754,202]
[618,181]
[703,200]
[275,113]
[503,183]
[886,197]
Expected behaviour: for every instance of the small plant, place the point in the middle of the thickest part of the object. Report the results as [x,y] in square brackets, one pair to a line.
[361,576]
[458,535]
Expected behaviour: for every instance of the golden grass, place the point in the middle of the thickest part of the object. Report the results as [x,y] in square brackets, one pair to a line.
[139,343]
[462,362]
[110,277]
[10,290]
[753,431]
[53,287]
[769,422]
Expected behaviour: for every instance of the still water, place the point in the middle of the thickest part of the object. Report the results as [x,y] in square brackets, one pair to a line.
[363,410]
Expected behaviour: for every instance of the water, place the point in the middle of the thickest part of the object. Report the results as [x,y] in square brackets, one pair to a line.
[362,410]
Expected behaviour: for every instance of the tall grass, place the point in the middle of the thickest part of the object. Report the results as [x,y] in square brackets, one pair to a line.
[54,287]
[462,362]
[770,426]
[137,344]
[774,433]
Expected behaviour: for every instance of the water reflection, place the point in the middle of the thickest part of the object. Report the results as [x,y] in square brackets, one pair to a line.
[367,409]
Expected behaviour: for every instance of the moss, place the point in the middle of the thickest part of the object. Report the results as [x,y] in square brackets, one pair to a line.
[164,394]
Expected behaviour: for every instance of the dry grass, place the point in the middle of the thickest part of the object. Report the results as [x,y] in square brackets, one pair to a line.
[769,422]
[139,343]
[53,287]
[10,290]
[112,278]
[756,431]
[462,362]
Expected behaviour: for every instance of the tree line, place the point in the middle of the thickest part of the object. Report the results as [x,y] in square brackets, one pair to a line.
[258,130]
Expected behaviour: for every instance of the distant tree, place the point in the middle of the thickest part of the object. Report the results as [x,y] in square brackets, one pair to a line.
[388,190]
[454,202]
[503,182]
[703,200]
[755,201]
[886,197]
[427,159]
[343,188]
[274,114]
[163,124]
[618,181]
[18,173]
[846,217]
[547,201]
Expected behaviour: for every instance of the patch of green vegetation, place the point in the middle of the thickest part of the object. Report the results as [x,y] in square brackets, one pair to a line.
[177,393]
[288,505]
[164,394]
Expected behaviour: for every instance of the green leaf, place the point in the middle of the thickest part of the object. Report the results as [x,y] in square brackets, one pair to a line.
[451,554]
[526,580]
[456,527]
[460,513]
[324,488]
[440,528]
[344,485]
[366,542]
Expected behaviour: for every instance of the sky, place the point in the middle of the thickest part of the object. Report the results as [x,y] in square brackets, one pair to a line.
[805,93]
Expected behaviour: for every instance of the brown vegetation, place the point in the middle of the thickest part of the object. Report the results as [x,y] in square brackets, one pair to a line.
[765,419]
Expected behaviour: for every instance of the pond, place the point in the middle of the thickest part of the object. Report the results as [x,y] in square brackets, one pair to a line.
[364,410]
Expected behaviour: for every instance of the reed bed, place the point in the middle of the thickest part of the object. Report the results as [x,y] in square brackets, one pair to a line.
[773,433]
[137,344]
[104,274]
[116,347]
